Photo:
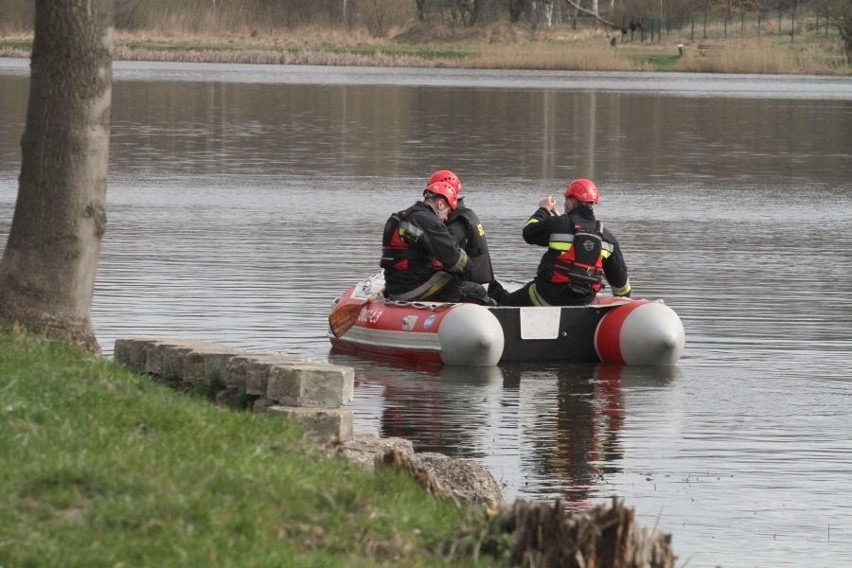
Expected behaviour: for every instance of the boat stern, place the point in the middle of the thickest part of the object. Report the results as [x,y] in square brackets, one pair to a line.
[641,332]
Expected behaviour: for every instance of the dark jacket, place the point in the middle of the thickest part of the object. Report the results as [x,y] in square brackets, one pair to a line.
[554,232]
[419,254]
[470,236]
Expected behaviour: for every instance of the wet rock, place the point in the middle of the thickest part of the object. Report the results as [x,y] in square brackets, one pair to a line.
[458,479]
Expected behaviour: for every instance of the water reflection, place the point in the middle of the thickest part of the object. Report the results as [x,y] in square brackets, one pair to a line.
[572,420]
[445,410]
[165,127]
[560,425]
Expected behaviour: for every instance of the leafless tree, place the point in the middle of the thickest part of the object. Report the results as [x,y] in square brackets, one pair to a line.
[47,272]
[453,12]
[421,9]
[593,13]
[839,15]
[516,10]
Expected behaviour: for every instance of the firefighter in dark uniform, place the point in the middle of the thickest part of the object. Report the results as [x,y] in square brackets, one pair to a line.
[469,234]
[420,257]
[580,253]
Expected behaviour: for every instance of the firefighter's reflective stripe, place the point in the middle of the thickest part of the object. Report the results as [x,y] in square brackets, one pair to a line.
[623,290]
[436,282]
[460,265]
[561,241]
[564,241]
[535,298]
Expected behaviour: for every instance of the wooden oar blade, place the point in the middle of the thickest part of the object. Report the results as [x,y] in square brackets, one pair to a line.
[344,317]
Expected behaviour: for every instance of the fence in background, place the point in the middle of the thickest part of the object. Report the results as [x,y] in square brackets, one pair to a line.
[714,26]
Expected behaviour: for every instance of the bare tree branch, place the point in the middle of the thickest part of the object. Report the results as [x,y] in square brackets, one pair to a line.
[596,16]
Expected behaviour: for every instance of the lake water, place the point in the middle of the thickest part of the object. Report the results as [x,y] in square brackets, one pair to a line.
[243,199]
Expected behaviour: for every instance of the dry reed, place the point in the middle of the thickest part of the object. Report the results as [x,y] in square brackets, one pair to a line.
[498,49]
[756,56]
[554,56]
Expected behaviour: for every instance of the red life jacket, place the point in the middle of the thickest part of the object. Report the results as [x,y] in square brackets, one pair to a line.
[397,239]
[580,262]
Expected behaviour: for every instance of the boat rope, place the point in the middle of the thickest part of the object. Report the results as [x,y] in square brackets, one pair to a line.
[432,306]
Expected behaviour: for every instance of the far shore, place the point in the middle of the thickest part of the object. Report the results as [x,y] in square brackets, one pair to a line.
[586,51]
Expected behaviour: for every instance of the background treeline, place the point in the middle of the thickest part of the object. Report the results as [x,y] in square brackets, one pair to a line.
[382,16]
[434,20]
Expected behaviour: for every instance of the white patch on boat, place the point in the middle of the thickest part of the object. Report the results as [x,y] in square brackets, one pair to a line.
[540,322]
[408,323]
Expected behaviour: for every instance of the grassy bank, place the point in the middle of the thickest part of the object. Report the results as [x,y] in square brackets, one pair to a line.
[102,468]
[495,47]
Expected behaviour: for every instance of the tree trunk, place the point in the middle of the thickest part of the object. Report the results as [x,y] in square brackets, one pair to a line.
[516,10]
[47,272]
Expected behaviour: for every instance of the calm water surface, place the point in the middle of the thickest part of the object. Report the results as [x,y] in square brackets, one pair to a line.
[243,199]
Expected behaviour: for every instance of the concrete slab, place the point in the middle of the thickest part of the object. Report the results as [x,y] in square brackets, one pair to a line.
[322,424]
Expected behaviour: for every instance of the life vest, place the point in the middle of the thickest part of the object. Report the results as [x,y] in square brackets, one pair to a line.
[397,239]
[470,236]
[579,263]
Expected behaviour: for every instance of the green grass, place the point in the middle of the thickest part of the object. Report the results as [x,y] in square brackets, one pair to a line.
[654,60]
[424,52]
[102,468]
[177,47]
[16,44]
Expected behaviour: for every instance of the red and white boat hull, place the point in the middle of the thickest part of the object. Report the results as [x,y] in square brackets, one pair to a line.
[611,330]
[450,334]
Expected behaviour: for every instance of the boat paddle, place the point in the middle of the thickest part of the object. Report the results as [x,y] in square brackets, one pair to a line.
[342,318]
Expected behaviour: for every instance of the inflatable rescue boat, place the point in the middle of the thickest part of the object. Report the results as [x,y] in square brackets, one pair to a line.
[610,330]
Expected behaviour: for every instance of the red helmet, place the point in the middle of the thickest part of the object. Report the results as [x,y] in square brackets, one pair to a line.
[448,177]
[583,190]
[446,191]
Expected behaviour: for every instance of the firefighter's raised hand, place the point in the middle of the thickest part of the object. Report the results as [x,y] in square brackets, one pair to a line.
[547,202]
